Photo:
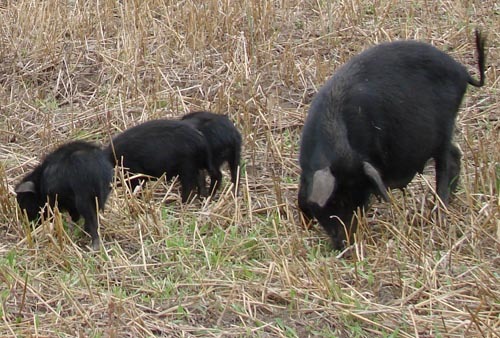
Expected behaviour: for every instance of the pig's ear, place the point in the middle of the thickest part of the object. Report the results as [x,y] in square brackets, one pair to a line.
[28,186]
[374,176]
[322,186]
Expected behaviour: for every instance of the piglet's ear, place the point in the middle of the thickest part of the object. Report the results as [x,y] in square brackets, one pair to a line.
[322,186]
[28,186]
[374,176]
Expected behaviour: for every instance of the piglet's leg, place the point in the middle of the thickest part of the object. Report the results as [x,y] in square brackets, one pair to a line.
[87,208]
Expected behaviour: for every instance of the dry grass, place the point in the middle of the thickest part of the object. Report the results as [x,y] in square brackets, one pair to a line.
[243,266]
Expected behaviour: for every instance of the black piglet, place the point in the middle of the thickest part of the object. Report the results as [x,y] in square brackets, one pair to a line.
[167,147]
[224,141]
[76,176]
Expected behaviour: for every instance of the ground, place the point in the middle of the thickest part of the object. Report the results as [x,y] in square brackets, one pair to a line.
[244,264]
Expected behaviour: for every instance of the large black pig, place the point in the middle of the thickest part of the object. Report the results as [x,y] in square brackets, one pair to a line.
[224,141]
[167,147]
[375,124]
[76,176]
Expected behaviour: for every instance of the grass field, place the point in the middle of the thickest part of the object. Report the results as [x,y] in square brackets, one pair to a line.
[246,265]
